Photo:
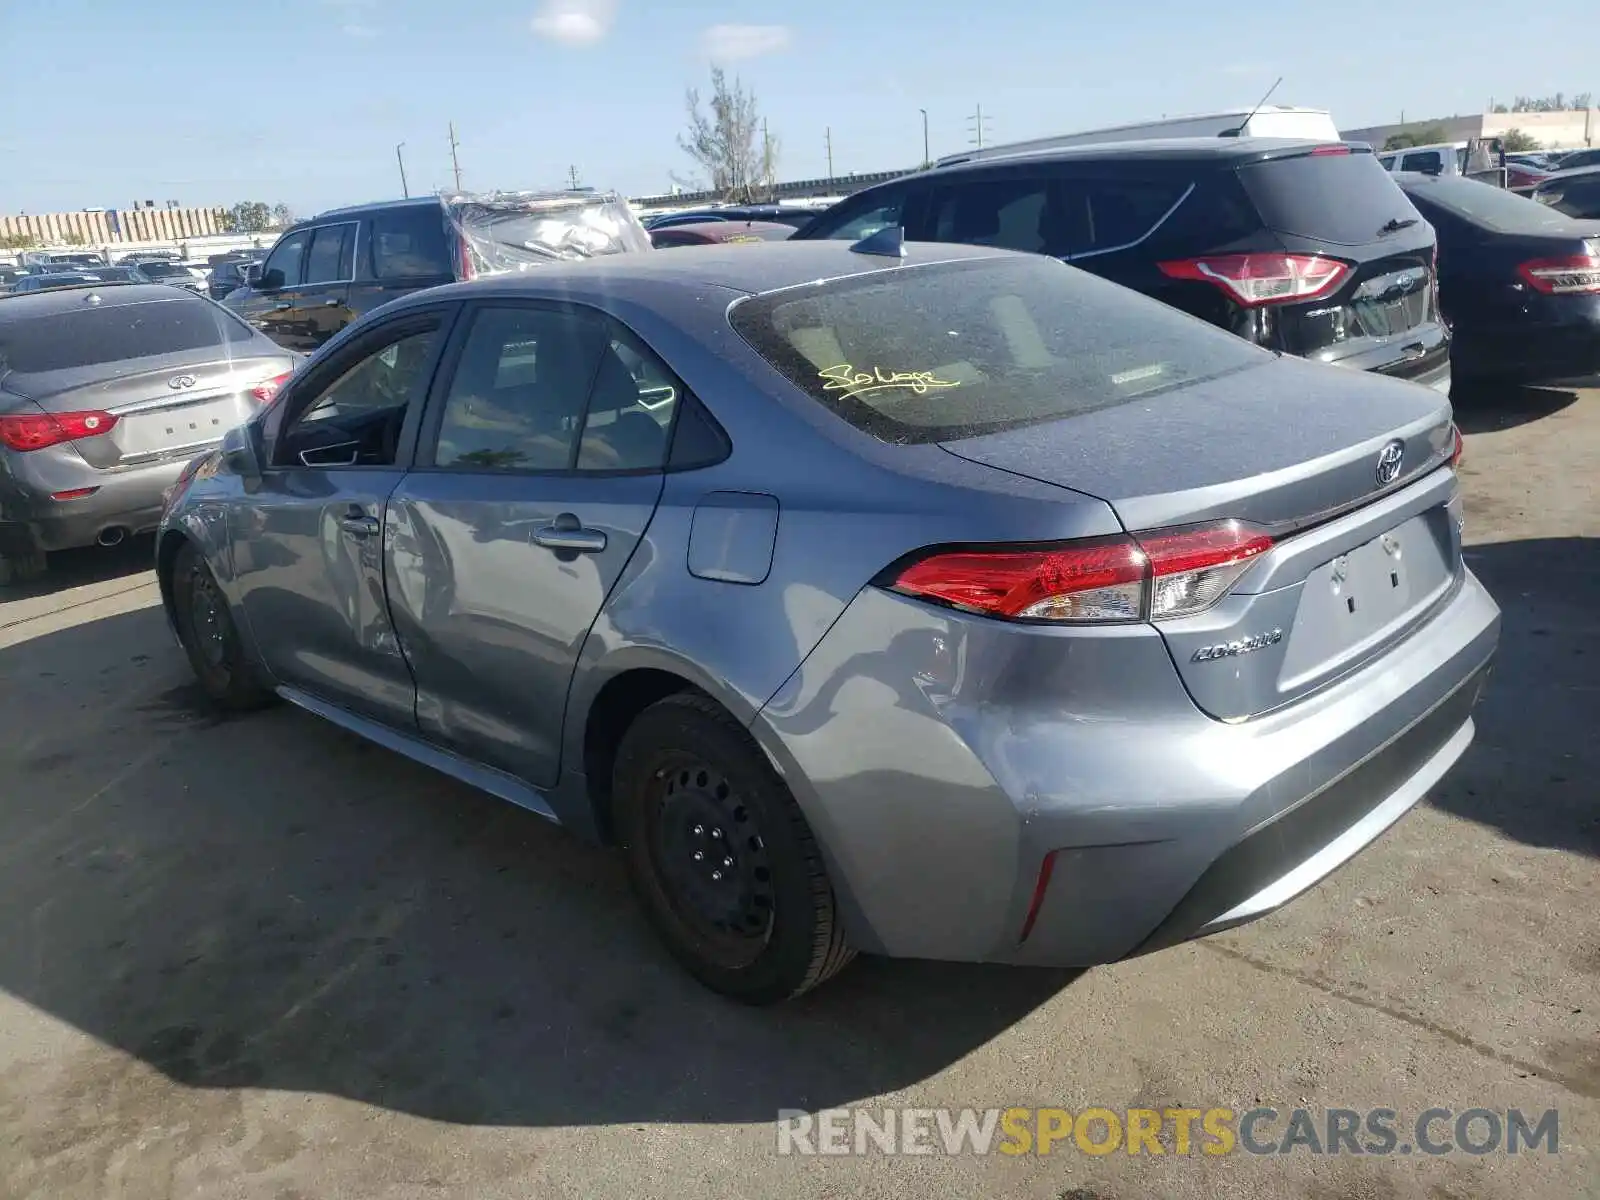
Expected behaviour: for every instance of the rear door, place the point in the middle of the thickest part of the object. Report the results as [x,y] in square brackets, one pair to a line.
[399,250]
[537,477]
[320,306]
[1010,208]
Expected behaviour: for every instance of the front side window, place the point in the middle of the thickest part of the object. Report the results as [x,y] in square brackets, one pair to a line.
[356,419]
[953,350]
[289,257]
[855,223]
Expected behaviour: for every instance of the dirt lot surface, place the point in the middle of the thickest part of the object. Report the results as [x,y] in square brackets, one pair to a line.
[259,958]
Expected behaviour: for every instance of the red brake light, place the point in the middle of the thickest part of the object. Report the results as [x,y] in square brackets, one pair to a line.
[1458,449]
[1153,576]
[1256,279]
[1324,151]
[1576,274]
[464,269]
[36,431]
[266,393]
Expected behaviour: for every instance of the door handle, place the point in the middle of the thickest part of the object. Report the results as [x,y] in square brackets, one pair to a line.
[330,304]
[284,307]
[358,523]
[566,532]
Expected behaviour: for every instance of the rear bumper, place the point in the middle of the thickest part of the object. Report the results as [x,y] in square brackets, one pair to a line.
[128,501]
[938,806]
[1561,352]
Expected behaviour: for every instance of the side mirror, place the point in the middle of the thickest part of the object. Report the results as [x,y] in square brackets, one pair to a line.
[241,454]
[252,274]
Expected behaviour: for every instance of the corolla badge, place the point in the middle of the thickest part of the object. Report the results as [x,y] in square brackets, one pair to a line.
[1389,460]
[1244,645]
[181,381]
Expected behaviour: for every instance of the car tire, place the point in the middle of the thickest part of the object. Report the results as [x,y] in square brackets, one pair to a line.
[22,568]
[721,857]
[210,638]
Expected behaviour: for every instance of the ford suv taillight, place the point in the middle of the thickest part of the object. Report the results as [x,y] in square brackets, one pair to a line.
[1253,280]
[1151,576]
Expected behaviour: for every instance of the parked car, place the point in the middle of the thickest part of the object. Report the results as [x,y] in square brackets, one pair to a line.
[10,275]
[1518,282]
[1301,247]
[959,605]
[43,281]
[1575,193]
[716,233]
[324,273]
[1572,160]
[120,274]
[782,214]
[228,275]
[175,274]
[106,391]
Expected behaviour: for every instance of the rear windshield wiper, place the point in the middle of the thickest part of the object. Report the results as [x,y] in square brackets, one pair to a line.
[1395,225]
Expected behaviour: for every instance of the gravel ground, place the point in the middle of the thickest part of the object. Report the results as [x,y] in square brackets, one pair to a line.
[259,958]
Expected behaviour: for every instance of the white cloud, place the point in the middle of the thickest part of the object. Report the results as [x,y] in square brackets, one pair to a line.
[575,22]
[724,43]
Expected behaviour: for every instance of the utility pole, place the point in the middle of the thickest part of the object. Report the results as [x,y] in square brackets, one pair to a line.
[399,158]
[454,161]
[976,124]
[827,138]
[926,157]
[572,176]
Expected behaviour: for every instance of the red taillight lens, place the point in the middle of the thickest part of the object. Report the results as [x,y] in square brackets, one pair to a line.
[36,431]
[1577,274]
[266,393]
[1458,449]
[1325,151]
[464,267]
[1154,576]
[1256,279]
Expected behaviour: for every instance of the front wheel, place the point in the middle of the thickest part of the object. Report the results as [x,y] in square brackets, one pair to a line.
[209,637]
[721,857]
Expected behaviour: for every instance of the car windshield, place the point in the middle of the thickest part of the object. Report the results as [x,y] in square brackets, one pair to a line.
[1489,206]
[86,337]
[953,350]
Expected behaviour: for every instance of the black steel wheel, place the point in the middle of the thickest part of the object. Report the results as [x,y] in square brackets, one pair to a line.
[209,637]
[721,856]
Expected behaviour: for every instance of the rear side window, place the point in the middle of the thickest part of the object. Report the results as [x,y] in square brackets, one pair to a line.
[1121,212]
[1344,199]
[87,337]
[1008,211]
[953,350]
[409,242]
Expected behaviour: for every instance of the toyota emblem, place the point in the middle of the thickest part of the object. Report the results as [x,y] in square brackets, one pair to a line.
[181,381]
[1389,460]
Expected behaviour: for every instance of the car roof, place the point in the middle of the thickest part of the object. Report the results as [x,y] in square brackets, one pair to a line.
[351,210]
[747,268]
[20,305]
[1191,150]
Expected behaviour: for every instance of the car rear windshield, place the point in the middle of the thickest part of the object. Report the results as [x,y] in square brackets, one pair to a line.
[957,349]
[1492,207]
[1343,199]
[87,337]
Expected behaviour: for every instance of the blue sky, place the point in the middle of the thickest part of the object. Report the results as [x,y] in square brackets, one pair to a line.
[104,102]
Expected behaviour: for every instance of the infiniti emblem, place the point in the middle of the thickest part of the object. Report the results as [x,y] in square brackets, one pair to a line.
[1389,459]
[181,381]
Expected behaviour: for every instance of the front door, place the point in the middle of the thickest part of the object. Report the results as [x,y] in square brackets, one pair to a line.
[535,481]
[320,306]
[269,304]
[308,541]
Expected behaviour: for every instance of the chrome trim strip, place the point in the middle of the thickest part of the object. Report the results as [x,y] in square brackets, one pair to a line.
[1144,237]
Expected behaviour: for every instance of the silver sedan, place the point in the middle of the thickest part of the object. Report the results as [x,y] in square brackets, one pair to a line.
[928,601]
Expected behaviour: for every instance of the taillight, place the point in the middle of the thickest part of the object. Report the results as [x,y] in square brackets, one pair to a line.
[266,393]
[1458,446]
[465,269]
[36,431]
[1325,151]
[1576,274]
[1256,279]
[1152,576]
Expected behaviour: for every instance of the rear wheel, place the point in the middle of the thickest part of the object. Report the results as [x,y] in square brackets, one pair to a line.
[210,638]
[21,568]
[721,857]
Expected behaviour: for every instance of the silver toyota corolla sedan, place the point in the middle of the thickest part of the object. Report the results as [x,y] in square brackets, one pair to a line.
[919,600]
[106,392]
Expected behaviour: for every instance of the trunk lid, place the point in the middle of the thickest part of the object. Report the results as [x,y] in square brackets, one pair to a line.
[172,411]
[1360,559]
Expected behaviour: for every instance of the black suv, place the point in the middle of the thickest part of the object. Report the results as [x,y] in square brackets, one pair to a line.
[1305,248]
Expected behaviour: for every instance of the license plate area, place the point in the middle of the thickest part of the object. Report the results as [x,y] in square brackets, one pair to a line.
[1353,604]
[155,433]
